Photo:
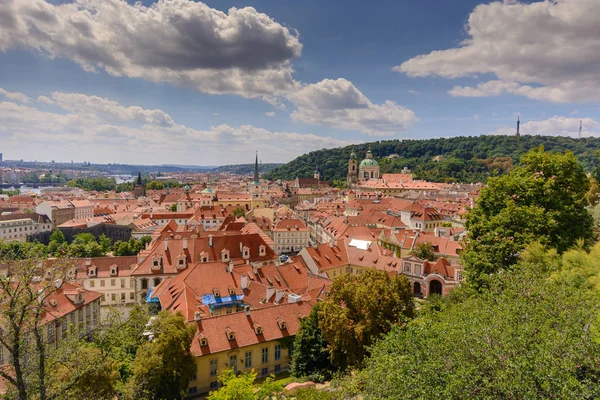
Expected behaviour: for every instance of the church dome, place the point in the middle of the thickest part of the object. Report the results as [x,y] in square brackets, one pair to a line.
[368,162]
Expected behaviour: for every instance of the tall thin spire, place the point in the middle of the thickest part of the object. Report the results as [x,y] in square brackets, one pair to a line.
[518,126]
[580,126]
[256,178]
[139,179]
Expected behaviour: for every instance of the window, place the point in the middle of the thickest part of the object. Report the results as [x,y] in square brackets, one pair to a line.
[265,355]
[406,267]
[51,332]
[144,283]
[233,364]
[277,368]
[277,352]
[291,350]
[122,283]
[417,269]
[248,360]
[213,367]
[113,282]
[102,283]
[265,371]
[92,283]
[214,385]
[193,390]
[113,297]
[131,296]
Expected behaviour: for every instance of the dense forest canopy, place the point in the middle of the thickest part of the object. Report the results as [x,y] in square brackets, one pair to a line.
[459,159]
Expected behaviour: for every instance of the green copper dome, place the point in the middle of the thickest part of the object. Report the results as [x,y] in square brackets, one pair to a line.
[368,162]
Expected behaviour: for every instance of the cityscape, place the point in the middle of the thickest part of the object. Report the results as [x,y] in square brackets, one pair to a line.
[299,200]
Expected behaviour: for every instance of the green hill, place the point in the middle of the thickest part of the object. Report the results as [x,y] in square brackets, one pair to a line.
[459,159]
[245,169]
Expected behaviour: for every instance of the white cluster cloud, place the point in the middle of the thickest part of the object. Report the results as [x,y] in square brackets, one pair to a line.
[545,50]
[338,103]
[555,126]
[15,96]
[181,42]
[93,125]
[188,44]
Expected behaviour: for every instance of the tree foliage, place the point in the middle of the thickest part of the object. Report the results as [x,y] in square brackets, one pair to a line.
[311,358]
[163,367]
[531,336]
[243,387]
[424,251]
[361,308]
[464,159]
[542,200]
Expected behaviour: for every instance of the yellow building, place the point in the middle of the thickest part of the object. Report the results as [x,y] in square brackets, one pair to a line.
[259,340]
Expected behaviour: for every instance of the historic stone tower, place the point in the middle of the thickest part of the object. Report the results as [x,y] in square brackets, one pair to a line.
[352,169]
[139,189]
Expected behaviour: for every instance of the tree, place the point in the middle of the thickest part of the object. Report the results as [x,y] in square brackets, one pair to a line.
[105,243]
[173,207]
[538,201]
[242,387]
[163,367]
[239,212]
[528,337]
[359,309]
[424,251]
[24,287]
[57,236]
[311,358]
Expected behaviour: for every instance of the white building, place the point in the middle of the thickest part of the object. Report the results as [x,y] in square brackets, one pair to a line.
[290,235]
[17,227]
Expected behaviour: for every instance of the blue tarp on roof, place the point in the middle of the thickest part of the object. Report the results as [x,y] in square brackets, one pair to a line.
[149,298]
[212,301]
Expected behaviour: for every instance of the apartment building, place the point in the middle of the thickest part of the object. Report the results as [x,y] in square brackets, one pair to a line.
[17,227]
[290,235]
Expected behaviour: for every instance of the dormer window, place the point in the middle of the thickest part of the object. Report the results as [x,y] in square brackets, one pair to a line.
[156,263]
[113,270]
[92,272]
[407,267]
[231,291]
[225,256]
[262,250]
[216,292]
[245,253]
[203,342]
[230,334]
[281,323]
[181,261]
[204,257]
[258,329]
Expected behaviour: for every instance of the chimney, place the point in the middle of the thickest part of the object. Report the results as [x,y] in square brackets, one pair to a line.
[247,310]
[166,242]
[331,244]
[210,240]
[197,316]
[270,293]
[185,243]
[279,295]
[244,282]
[230,267]
[241,246]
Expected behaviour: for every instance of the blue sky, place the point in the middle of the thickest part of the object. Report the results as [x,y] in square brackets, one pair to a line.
[209,83]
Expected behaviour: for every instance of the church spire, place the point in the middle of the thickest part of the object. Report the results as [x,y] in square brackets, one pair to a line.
[139,179]
[256,178]
[518,126]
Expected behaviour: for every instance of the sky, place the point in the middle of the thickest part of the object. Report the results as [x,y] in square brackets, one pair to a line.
[211,83]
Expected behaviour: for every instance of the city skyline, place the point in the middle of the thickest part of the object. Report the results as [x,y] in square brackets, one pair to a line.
[208,83]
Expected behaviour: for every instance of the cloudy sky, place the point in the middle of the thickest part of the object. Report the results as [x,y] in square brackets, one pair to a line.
[208,83]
